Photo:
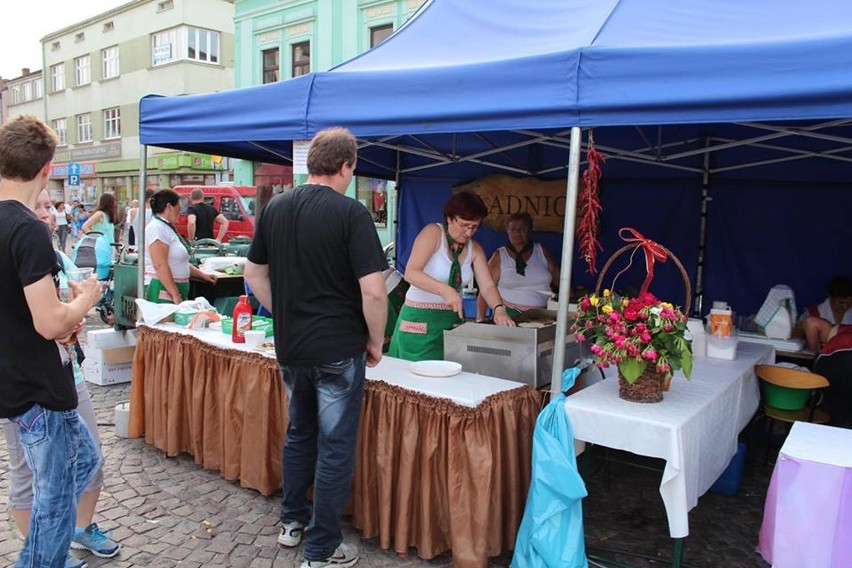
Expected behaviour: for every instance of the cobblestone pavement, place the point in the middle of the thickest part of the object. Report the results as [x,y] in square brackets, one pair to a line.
[169,512]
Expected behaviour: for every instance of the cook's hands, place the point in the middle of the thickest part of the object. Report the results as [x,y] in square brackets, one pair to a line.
[453,299]
[212,278]
[374,354]
[90,288]
[501,317]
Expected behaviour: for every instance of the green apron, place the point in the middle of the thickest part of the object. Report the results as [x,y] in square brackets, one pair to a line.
[424,337]
[155,292]
[396,298]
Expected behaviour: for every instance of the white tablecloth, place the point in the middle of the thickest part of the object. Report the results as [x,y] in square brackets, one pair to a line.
[694,429]
[466,389]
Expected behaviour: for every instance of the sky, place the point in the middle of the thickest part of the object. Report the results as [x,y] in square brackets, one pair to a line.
[25,22]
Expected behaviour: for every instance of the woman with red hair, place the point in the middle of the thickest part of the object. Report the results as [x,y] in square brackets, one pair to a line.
[443,260]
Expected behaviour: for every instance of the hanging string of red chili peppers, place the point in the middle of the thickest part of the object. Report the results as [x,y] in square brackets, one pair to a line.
[590,206]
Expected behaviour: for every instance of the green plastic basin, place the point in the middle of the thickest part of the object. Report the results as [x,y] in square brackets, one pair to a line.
[784,398]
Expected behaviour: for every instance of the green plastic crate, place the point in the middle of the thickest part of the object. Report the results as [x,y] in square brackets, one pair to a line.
[257,322]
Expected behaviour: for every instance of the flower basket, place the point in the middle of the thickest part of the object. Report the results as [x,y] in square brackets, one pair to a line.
[643,336]
[647,388]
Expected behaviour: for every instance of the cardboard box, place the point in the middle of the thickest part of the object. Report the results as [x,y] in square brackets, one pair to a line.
[109,357]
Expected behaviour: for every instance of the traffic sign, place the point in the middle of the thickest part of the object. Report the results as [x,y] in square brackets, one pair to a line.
[73,169]
[73,180]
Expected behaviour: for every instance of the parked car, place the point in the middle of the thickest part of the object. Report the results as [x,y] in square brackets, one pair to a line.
[235,202]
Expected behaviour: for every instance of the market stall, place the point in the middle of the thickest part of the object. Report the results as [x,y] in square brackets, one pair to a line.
[443,463]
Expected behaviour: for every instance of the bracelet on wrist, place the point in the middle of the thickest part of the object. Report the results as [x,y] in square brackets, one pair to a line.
[494,309]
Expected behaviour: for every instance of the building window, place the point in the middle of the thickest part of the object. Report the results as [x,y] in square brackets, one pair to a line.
[26,91]
[301,53]
[270,65]
[57,77]
[37,89]
[79,37]
[55,46]
[84,128]
[185,42]
[16,95]
[109,26]
[378,34]
[60,126]
[82,73]
[109,62]
[112,123]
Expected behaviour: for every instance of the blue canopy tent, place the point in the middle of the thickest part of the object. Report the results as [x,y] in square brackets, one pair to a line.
[747,104]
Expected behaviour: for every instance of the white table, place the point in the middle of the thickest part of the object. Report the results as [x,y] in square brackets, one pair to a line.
[694,429]
[807,520]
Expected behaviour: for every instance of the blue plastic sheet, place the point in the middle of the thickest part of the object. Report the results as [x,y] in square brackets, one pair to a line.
[551,532]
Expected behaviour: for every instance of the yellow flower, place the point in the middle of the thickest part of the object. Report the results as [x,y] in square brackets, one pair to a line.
[666,305]
[607,293]
[606,309]
[624,302]
[593,300]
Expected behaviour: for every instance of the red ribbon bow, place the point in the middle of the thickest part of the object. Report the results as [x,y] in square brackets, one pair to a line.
[653,252]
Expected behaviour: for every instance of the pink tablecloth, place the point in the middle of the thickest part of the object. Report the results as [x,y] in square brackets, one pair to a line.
[807,520]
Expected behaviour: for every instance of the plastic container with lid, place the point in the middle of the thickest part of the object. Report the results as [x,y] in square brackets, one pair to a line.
[721,320]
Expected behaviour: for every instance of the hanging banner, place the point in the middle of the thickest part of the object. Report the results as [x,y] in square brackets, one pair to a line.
[504,195]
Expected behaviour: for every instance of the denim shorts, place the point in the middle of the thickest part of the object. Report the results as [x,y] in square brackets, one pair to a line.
[20,475]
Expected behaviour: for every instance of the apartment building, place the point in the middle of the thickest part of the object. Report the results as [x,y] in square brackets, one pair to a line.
[22,95]
[97,70]
[280,39]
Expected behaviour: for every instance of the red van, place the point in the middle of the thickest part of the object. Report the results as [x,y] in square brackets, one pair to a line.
[235,202]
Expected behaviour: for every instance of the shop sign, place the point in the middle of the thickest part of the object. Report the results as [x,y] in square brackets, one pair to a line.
[202,162]
[168,162]
[87,169]
[504,195]
[105,150]
[162,53]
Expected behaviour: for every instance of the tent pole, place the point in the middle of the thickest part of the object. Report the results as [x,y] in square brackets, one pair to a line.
[140,238]
[698,299]
[567,259]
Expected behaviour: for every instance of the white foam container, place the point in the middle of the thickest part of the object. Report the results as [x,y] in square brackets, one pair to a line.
[721,347]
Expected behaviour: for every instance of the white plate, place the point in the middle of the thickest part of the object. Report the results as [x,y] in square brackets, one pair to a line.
[435,368]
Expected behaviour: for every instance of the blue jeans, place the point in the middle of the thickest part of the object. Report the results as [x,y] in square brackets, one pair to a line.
[63,457]
[325,411]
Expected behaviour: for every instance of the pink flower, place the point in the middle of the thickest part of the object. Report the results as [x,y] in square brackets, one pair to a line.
[645,337]
[580,338]
[585,303]
[650,355]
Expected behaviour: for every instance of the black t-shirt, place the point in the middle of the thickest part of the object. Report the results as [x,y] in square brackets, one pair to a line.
[31,370]
[317,243]
[204,216]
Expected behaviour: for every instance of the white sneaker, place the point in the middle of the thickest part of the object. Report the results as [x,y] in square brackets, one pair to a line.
[346,555]
[291,534]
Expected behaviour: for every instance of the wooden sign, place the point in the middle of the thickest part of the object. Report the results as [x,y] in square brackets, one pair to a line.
[504,195]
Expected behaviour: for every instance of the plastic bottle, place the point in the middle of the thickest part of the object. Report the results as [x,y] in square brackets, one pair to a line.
[242,320]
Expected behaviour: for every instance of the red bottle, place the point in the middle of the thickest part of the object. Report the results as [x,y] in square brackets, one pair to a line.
[242,320]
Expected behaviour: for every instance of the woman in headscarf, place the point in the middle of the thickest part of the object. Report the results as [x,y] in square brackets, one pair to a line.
[524,271]
[443,260]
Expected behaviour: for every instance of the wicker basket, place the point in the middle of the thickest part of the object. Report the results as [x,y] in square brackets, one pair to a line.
[650,385]
[647,388]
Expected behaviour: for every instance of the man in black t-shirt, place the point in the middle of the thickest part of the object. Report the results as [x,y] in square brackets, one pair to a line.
[317,262]
[200,217]
[37,390]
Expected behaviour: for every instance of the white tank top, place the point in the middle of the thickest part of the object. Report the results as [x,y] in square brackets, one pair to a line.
[524,290]
[438,267]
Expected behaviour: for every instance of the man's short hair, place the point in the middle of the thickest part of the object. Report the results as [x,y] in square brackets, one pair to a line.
[840,287]
[330,149]
[196,194]
[27,144]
